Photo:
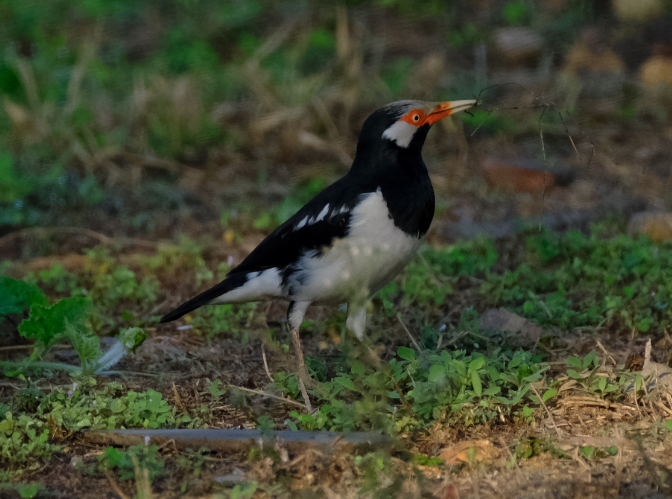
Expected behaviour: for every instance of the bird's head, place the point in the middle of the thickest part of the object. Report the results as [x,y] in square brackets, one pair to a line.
[404,124]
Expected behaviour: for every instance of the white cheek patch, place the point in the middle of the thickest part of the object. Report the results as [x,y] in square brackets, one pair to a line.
[401,133]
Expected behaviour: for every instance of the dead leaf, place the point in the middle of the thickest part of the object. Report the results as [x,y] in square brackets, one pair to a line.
[460,452]
[55,431]
[658,226]
[523,175]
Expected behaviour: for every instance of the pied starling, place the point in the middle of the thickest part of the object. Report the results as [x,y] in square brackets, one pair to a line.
[352,238]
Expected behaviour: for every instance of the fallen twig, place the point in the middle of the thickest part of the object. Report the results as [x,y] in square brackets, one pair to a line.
[265,394]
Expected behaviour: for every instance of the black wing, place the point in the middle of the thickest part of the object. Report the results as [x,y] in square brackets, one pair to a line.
[324,218]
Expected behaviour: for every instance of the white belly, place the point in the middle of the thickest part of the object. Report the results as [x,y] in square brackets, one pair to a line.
[357,266]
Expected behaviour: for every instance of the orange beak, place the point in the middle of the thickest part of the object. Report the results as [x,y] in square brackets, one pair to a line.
[445,109]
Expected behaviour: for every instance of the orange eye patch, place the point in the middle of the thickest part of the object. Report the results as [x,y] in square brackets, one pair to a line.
[415,117]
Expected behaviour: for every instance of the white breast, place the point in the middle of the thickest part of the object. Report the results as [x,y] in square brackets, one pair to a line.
[360,264]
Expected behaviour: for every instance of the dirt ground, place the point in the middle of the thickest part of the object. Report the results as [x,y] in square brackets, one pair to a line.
[186,364]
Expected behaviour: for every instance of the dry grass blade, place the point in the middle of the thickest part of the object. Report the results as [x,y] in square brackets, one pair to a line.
[86,56]
[415,343]
[142,482]
[456,338]
[343,40]
[332,131]
[568,134]
[607,355]
[263,356]
[662,407]
[29,84]
[114,485]
[178,400]
[543,404]
[512,458]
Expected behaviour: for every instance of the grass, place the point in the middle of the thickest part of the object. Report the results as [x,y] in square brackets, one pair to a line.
[478,380]
[109,104]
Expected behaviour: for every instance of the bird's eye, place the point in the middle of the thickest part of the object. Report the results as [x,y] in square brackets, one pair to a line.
[416,117]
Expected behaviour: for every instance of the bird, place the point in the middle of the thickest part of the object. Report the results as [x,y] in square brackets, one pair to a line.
[353,237]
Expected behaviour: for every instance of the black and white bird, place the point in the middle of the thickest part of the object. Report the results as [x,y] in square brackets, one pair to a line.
[356,235]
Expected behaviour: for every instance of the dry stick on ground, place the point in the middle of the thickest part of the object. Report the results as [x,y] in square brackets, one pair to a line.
[415,343]
[263,356]
[541,400]
[606,354]
[265,394]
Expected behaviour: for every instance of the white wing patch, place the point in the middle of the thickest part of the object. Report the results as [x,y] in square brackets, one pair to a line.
[259,286]
[344,209]
[401,133]
[310,221]
[302,223]
[323,213]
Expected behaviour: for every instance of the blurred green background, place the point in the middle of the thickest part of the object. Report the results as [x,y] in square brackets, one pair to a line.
[150,119]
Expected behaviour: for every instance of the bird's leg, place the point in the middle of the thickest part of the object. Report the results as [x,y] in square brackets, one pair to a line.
[303,372]
[295,314]
[356,323]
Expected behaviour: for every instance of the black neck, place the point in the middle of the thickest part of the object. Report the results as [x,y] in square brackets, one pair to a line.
[402,177]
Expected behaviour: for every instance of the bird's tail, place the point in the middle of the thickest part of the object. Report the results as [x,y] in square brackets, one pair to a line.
[230,283]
